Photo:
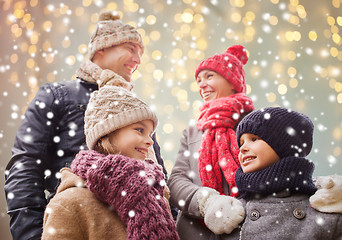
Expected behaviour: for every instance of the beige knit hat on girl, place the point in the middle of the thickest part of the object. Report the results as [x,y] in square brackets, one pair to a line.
[110,31]
[112,107]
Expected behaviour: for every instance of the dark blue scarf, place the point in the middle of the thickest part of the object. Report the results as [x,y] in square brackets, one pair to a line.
[292,174]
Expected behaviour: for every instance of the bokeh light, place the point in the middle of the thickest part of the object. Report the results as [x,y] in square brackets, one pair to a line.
[294,49]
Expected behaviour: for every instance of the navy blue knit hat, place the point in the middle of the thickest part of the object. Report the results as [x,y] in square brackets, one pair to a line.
[288,132]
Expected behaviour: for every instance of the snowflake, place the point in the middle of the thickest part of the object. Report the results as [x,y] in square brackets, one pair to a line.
[162,183]
[181,203]
[208,168]
[186,153]
[290,131]
[60,153]
[131,213]
[218,214]
[142,173]
[235,190]
[10,195]
[320,221]
[267,116]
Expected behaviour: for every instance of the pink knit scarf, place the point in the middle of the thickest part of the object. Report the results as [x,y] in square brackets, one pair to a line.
[219,149]
[134,189]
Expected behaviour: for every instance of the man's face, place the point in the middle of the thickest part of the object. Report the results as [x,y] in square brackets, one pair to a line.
[122,59]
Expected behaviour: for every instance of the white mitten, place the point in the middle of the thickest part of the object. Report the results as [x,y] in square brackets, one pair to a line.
[328,197]
[222,214]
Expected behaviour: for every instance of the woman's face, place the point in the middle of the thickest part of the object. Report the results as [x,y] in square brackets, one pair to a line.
[213,86]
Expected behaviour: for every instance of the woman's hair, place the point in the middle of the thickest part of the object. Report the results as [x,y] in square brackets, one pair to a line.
[105,147]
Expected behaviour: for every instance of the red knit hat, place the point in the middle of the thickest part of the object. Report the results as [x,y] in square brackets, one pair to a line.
[229,65]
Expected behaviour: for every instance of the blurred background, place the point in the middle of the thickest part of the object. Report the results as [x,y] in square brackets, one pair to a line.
[294,49]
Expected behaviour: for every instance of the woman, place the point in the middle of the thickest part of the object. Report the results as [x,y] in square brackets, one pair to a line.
[202,179]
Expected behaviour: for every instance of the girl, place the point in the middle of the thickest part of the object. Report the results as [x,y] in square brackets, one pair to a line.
[114,190]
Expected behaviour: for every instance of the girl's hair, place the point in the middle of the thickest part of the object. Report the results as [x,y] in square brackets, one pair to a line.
[105,147]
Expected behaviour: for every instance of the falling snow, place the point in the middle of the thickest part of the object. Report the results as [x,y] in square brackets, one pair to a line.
[291,63]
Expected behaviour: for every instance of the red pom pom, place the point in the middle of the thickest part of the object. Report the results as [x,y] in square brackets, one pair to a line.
[239,52]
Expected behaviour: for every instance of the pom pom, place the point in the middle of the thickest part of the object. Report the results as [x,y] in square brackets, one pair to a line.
[240,52]
[108,16]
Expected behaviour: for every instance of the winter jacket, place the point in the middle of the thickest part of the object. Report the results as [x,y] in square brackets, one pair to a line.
[75,213]
[286,217]
[184,183]
[47,140]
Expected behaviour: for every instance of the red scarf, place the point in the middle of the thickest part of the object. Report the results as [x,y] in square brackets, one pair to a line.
[219,149]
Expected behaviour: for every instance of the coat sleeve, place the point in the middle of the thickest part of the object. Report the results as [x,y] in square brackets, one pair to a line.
[24,184]
[183,190]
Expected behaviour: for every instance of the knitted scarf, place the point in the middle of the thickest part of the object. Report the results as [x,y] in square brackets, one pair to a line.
[219,149]
[293,174]
[90,72]
[134,189]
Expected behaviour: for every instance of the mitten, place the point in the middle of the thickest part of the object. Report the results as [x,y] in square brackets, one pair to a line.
[222,214]
[328,197]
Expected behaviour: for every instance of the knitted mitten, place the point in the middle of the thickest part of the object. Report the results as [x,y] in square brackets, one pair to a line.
[328,197]
[222,214]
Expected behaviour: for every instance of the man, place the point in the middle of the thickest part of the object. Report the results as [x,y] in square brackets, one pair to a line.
[52,131]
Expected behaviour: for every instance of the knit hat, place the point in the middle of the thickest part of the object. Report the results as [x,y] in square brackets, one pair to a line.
[229,65]
[113,107]
[110,31]
[288,132]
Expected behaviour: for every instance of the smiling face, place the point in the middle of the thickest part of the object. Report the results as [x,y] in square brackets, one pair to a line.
[255,154]
[122,59]
[213,86]
[133,140]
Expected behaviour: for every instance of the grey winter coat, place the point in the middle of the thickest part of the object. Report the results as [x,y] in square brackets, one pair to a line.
[286,217]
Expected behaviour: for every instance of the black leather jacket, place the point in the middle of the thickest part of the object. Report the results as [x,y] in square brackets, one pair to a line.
[48,139]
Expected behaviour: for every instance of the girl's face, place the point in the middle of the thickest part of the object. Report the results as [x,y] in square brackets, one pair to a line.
[133,140]
[213,86]
[255,154]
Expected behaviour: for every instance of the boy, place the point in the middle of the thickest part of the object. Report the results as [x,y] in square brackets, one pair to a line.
[275,178]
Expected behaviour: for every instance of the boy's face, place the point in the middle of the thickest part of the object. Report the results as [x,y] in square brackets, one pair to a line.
[255,154]
[133,140]
[213,86]
[122,59]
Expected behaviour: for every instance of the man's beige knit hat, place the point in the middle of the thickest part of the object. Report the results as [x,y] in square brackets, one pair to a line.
[112,107]
[110,31]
